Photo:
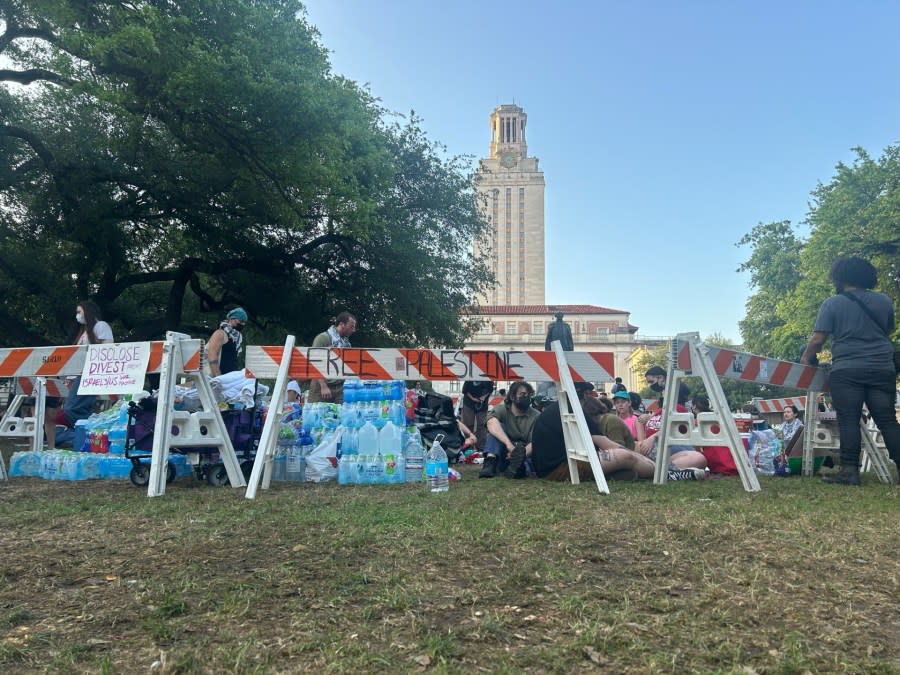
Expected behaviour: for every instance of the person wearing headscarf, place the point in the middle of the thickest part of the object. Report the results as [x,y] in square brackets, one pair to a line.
[224,347]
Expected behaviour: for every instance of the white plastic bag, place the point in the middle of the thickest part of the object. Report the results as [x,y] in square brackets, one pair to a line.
[321,463]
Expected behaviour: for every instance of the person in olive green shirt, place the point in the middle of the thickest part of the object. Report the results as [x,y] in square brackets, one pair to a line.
[337,335]
[509,427]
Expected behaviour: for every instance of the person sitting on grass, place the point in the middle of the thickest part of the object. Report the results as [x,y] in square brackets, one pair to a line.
[611,425]
[681,456]
[550,460]
[509,427]
[624,404]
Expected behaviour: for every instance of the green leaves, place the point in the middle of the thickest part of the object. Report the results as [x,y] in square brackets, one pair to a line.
[855,214]
[205,156]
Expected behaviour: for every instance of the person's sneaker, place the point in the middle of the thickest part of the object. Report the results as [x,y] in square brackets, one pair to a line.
[489,469]
[686,474]
[516,466]
[843,477]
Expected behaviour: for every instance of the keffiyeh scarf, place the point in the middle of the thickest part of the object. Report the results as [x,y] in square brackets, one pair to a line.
[233,335]
[336,339]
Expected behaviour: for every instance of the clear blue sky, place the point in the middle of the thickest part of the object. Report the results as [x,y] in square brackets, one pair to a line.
[666,130]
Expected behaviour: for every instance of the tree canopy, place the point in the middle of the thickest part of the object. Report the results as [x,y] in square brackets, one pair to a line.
[171,160]
[856,213]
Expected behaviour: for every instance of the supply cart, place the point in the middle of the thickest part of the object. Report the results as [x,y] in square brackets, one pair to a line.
[244,428]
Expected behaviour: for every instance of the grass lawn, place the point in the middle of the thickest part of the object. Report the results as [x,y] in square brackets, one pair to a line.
[495,576]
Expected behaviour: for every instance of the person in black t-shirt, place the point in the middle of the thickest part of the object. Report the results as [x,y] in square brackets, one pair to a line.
[473,413]
[548,446]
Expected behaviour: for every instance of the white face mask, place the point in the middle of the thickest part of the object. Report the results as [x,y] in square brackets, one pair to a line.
[79,317]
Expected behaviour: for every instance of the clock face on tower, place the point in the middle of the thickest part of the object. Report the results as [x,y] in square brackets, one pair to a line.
[509,161]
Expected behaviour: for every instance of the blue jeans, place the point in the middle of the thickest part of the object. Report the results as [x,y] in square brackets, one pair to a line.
[850,388]
[493,446]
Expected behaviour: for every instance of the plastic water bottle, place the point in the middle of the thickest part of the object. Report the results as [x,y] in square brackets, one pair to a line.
[349,441]
[414,458]
[375,469]
[279,463]
[437,470]
[117,437]
[114,468]
[389,448]
[26,463]
[367,439]
[295,469]
[89,466]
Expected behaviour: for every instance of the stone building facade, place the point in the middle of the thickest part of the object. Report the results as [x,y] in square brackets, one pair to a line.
[511,191]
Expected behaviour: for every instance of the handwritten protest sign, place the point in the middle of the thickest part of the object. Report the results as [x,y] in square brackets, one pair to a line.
[115,368]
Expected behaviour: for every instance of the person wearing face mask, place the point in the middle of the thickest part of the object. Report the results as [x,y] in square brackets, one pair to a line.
[89,329]
[681,456]
[224,346]
[509,427]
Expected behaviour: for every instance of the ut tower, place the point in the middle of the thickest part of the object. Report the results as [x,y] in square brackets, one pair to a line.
[511,190]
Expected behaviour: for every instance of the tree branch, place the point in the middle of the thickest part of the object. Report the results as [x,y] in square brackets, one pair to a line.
[33,75]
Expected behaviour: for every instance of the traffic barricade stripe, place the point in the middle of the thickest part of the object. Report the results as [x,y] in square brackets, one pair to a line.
[428,364]
[13,361]
[752,368]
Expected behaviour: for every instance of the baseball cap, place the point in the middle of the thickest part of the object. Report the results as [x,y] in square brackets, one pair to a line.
[237,313]
[622,394]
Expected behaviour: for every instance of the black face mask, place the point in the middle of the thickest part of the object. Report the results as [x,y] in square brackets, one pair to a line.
[657,387]
[239,327]
[523,403]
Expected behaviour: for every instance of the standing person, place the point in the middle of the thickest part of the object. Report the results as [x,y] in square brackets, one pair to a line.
[509,427]
[618,386]
[559,330]
[90,329]
[859,322]
[337,336]
[224,347]
[475,409]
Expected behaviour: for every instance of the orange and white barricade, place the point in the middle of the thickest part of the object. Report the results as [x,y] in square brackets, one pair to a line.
[372,363]
[39,372]
[179,355]
[693,357]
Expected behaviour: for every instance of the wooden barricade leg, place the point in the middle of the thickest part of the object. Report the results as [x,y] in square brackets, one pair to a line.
[265,452]
[876,456]
[810,434]
[216,435]
[13,426]
[579,445]
[702,366]
[40,411]
[159,457]
[226,449]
